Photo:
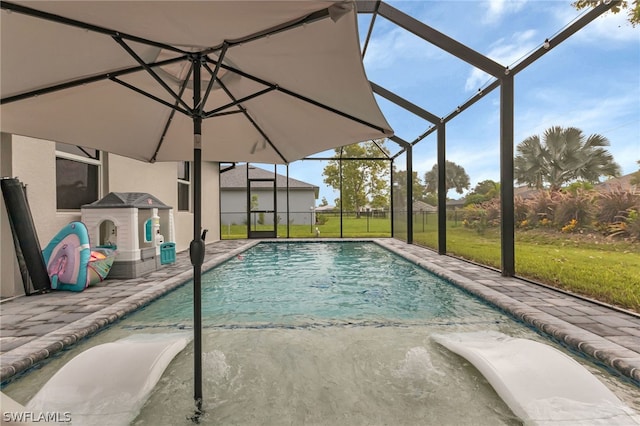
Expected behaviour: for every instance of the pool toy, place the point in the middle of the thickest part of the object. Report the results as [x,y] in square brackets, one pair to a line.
[540,384]
[71,262]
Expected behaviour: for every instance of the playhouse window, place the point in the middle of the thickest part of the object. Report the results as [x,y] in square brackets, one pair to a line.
[77,176]
[184,186]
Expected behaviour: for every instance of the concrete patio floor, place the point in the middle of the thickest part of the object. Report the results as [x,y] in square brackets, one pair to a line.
[36,327]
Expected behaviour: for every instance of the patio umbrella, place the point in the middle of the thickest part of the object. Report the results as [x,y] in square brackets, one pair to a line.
[258,81]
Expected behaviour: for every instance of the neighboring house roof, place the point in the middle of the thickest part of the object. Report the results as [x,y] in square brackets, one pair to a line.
[525,192]
[456,203]
[622,183]
[421,206]
[326,208]
[236,178]
[141,200]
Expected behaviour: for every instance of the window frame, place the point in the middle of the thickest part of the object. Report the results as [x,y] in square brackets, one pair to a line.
[186,183]
[80,159]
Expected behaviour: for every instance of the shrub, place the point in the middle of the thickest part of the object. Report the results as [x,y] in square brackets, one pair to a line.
[492,208]
[474,217]
[481,216]
[520,209]
[541,208]
[321,219]
[628,225]
[570,227]
[633,224]
[616,204]
[579,186]
[578,206]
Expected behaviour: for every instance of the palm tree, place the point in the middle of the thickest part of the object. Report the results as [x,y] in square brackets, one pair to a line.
[561,156]
[456,178]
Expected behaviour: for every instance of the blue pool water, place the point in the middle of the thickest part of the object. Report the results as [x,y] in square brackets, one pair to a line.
[305,283]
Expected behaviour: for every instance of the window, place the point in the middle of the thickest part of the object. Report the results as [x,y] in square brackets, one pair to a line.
[77,176]
[184,186]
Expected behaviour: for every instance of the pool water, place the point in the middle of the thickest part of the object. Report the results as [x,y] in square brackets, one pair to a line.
[296,284]
[321,334]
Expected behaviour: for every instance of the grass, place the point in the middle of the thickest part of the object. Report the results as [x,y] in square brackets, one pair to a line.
[368,227]
[604,270]
[590,265]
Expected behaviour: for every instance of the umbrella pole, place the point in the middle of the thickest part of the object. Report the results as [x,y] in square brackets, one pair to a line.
[196,249]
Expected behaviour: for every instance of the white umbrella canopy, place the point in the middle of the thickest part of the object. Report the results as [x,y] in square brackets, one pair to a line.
[256,81]
[312,92]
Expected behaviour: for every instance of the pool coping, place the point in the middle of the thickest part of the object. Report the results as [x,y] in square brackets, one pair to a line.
[482,282]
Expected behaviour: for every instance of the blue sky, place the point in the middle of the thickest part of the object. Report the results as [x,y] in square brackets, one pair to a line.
[591,81]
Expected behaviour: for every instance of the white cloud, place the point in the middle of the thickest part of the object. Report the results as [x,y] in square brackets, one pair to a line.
[592,115]
[505,52]
[389,49]
[609,27]
[497,9]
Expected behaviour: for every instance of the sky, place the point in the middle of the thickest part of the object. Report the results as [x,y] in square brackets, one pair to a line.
[590,81]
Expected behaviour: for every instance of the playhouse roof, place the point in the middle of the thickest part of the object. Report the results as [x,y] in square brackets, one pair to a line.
[140,200]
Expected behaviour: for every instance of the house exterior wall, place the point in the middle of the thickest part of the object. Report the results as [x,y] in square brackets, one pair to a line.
[233,205]
[33,161]
[10,281]
[160,180]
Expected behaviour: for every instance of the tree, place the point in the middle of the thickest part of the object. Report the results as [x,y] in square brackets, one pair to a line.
[632,7]
[324,202]
[363,181]
[563,155]
[483,191]
[456,178]
[400,187]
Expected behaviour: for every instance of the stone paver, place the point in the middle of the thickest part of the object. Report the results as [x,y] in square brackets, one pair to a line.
[33,328]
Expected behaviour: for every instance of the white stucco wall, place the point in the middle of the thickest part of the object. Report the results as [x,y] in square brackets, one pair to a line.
[33,162]
[10,281]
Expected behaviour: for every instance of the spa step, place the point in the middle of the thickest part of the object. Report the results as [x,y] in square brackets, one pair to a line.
[540,384]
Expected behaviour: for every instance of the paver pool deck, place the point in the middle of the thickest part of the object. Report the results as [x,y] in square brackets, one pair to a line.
[36,327]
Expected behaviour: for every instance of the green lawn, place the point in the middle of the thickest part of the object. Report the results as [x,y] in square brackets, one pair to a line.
[351,227]
[602,269]
[608,271]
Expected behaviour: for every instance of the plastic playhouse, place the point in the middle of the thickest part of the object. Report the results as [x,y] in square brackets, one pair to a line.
[138,225]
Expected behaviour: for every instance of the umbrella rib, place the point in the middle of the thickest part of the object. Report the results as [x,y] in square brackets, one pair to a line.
[171,114]
[300,97]
[253,123]
[83,81]
[79,24]
[174,107]
[214,74]
[373,20]
[150,71]
[239,101]
[220,114]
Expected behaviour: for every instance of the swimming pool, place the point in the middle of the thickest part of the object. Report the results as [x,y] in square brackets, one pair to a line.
[320,333]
